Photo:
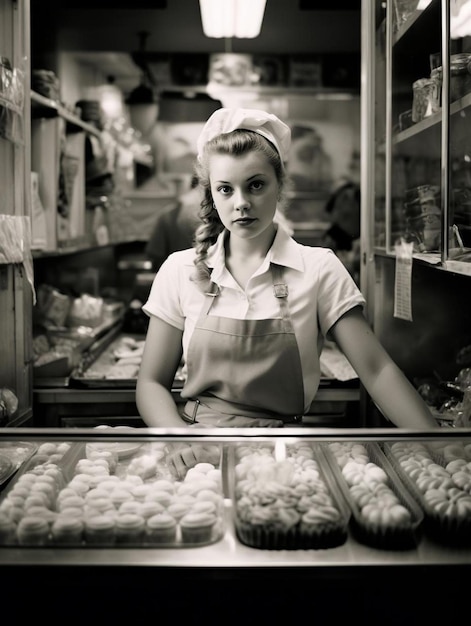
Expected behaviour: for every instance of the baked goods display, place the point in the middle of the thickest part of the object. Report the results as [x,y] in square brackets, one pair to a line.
[285,499]
[383,512]
[439,476]
[120,360]
[112,493]
[66,326]
[284,495]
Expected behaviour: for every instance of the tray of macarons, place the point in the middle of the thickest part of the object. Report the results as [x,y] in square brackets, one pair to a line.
[438,475]
[384,514]
[106,493]
[284,497]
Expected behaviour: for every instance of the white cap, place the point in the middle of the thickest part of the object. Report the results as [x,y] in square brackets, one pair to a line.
[261,122]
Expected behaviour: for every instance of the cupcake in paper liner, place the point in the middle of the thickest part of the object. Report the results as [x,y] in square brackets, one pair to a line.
[268,527]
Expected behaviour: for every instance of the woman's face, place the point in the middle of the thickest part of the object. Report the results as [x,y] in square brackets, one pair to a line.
[245,192]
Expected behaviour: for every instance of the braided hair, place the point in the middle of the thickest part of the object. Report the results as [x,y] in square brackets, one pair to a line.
[235,143]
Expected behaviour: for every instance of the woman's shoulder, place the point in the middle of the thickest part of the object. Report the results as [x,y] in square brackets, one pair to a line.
[317,253]
[177,265]
[181,258]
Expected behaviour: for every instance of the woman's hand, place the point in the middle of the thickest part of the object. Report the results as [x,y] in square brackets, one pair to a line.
[184,456]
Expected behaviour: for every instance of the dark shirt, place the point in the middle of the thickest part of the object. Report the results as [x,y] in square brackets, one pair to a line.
[340,239]
[173,230]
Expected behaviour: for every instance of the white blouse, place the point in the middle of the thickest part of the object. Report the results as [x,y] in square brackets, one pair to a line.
[320,291]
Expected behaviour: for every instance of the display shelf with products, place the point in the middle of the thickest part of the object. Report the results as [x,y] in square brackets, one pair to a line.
[47,107]
[78,186]
[417,141]
[426,130]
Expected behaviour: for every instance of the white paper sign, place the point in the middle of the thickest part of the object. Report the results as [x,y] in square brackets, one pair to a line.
[403,280]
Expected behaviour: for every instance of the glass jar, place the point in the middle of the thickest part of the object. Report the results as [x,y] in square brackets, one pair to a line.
[424,93]
[460,75]
[460,78]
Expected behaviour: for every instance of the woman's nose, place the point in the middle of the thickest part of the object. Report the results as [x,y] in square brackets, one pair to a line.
[241,202]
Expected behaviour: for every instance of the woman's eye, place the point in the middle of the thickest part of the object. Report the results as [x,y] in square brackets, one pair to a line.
[256,185]
[224,189]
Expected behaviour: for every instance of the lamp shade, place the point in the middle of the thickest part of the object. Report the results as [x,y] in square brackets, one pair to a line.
[232,18]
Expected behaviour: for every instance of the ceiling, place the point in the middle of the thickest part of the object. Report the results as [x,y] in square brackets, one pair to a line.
[106,33]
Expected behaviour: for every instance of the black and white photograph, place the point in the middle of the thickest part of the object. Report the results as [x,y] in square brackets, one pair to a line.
[235,339]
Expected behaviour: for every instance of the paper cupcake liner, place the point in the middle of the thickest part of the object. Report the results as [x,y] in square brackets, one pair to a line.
[296,538]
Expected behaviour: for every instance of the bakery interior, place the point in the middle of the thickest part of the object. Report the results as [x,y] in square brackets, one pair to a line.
[100,105]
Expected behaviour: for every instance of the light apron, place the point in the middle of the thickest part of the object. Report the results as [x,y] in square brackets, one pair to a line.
[244,372]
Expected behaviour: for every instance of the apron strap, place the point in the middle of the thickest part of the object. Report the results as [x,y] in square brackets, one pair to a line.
[280,289]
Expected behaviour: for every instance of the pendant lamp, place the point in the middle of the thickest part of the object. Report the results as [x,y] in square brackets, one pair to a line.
[232,18]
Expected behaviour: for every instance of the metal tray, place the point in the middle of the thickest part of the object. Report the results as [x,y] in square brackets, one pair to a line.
[101,357]
[388,537]
[445,529]
[13,454]
[58,375]
[273,534]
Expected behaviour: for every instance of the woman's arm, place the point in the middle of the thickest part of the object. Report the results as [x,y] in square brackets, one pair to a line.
[160,360]
[387,385]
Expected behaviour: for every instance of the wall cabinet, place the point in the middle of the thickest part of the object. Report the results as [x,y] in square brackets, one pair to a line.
[417,176]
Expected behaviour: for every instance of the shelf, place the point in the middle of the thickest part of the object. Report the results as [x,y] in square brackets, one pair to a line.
[229,552]
[433,259]
[45,107]
[77,246]
[213,89]
[412,19]
[433,121]
[50,108]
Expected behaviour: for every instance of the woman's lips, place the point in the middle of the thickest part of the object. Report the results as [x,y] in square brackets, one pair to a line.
[245,221]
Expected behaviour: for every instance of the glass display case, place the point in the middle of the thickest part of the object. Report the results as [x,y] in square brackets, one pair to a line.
[314,512]
[308,489]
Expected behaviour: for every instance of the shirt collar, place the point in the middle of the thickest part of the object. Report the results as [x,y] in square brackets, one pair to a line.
[285,251]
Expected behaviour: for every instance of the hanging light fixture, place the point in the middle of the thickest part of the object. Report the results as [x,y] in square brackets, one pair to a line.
[232,18]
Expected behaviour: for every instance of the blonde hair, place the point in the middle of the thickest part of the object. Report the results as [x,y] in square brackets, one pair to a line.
[235,143]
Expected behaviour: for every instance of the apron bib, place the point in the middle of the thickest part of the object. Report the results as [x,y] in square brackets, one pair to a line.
[244,372]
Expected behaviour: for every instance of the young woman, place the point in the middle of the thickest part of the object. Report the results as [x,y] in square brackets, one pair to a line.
[248,308]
